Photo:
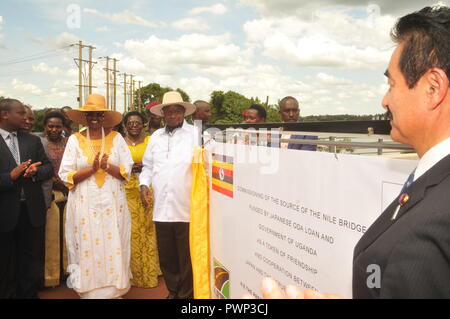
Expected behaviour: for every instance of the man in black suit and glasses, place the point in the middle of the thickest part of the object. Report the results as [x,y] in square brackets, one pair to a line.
[23,166]
[406,251]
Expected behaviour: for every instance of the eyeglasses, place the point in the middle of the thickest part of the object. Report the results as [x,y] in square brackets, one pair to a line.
[134,123]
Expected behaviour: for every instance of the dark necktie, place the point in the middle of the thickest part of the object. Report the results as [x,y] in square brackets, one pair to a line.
[403,197]
[408,182]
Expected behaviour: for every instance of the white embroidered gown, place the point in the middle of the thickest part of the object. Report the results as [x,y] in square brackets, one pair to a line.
[98,223]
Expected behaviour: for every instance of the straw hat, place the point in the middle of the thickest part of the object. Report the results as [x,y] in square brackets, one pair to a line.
[95,103]
[171,98]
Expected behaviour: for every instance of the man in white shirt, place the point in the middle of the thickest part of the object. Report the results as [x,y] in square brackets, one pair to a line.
[167,167]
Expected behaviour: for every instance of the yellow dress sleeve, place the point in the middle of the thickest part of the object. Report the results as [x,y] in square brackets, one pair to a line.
[69,182]
[123,173]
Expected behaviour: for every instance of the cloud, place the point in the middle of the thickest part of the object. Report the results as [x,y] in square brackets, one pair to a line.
[217,9]
[60,41]
[310,43]
[102,29]
[129,65]
[200,64]
[305,8]
[168,56]
[332,80]
[190,24]
[124,17]
[25,88]
[44,68]
[1,22]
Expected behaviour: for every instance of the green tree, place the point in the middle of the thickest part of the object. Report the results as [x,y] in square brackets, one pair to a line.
[39,119]
[228,107]
[154,92]
[273,113]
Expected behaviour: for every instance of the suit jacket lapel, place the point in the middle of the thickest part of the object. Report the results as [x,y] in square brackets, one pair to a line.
[416,193]
[23,149]
[5,150]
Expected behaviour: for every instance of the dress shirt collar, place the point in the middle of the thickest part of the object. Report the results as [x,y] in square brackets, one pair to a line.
[5,133]
[434,155]
[183,126]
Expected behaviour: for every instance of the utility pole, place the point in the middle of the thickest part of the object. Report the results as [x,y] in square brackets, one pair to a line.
[80,73]
[125,93]
[115,83]
[80,69]
[90,68]
[131,93]
[139,97]
[111,100]
[107,82]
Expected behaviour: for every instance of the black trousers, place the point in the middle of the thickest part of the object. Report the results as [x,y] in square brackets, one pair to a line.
[175,258]
[21,259]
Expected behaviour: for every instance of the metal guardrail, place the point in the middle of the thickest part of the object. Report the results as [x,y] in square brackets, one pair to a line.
[379,144]
[381,127]
[328,133]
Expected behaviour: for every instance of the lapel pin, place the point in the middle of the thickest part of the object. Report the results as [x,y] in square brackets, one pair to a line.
[402,200]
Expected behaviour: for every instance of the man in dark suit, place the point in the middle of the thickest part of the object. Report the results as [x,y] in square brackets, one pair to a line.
[290,113]
[23,166]
[406,251]
[408,246]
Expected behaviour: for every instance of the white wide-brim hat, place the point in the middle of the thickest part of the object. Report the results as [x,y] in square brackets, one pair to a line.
[173,98]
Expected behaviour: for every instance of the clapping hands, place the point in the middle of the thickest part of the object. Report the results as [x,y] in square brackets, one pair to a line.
[100,163]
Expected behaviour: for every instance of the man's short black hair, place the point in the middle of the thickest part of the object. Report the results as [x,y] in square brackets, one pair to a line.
[54,114]
[200,101]
[65,108]
[6,104]
[426,38]
[286,99]
[262,113]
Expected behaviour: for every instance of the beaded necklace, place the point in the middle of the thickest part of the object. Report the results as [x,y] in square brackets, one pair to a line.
[91,147]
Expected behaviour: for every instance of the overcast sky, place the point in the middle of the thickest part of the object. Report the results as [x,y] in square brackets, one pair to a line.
[329,54]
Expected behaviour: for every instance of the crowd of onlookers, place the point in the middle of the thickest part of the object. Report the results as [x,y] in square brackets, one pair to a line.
[50,257]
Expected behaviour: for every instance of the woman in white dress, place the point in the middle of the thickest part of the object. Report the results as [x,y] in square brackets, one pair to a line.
[95,167]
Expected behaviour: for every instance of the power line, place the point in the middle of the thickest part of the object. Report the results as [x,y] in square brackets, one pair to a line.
[37,56]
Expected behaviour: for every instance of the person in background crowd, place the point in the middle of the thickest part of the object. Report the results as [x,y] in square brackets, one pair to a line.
[144,251]
[167,167]
[119,129]
[255,114]
[56,198]
[95,167]
[409,244]
[290,113]
[289,110]
[30,119]
[154,121]
[202,112]
[69,126]
[23,167]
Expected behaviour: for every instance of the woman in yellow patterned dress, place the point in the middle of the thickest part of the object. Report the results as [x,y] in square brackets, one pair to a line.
[144,252]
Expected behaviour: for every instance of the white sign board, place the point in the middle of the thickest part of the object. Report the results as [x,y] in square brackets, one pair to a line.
[293,215]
